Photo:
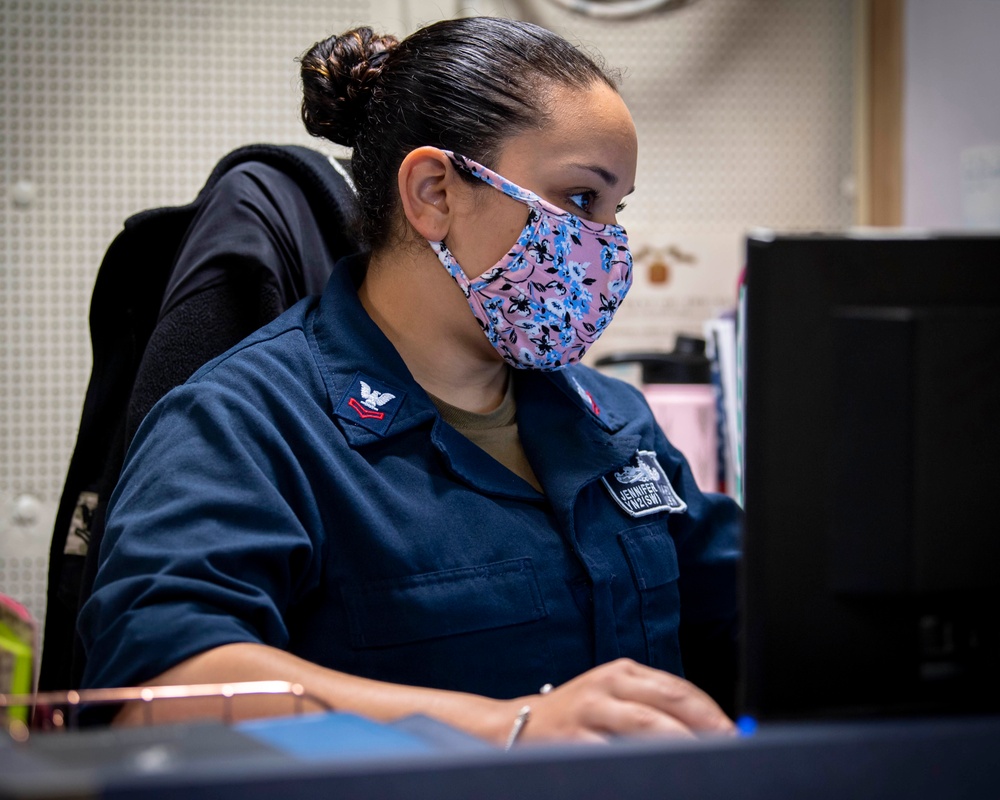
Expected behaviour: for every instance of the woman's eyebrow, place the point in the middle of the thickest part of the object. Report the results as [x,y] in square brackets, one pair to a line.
[609,177]
[606,175]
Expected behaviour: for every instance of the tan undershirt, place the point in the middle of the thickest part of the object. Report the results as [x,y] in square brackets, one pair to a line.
[495,432]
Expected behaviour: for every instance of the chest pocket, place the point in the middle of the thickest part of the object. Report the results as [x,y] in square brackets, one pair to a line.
[430,605]
[652,559]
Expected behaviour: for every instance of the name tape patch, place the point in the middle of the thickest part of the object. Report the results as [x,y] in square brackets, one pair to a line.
[641,487]
[370,403]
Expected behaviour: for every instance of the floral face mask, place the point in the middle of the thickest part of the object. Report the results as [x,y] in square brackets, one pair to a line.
[545,302]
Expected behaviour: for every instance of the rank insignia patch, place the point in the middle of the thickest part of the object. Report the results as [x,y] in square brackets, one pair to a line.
[370,404]
[641,487]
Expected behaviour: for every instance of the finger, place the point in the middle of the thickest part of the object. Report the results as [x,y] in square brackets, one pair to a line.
[627,718]
[672,695]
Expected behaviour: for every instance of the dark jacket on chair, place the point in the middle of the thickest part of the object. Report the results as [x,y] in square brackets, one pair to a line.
[177,287]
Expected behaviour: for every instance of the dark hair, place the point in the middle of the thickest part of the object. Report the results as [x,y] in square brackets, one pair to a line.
[464,85]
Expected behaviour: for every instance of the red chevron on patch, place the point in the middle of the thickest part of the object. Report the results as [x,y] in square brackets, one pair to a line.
[365,413]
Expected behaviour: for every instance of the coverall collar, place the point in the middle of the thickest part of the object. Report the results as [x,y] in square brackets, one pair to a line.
[564,406]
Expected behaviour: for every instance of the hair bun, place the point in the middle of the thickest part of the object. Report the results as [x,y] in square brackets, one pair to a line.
[337,79]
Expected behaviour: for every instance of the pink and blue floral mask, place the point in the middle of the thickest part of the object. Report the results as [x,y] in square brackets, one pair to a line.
[549,299]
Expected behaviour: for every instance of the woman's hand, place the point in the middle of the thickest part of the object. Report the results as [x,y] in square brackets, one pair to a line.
[621,698]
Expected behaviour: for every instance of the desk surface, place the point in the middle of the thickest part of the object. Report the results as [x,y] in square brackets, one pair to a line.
[953,758]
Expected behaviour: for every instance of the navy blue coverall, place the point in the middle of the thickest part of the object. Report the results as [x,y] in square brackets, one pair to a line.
[302,491]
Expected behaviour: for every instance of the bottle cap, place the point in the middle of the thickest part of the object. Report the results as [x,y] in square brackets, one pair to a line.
[687,363]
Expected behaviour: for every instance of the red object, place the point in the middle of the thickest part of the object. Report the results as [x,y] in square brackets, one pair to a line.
[365,413]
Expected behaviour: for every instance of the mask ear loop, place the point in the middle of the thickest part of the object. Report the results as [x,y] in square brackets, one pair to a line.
[528,197]
[468,167]
[459,165]
[496,181]
[500,183]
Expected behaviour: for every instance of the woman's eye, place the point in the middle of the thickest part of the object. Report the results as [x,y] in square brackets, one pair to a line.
[620,207]
[582,200]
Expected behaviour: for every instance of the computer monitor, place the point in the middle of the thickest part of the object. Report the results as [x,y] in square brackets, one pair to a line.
[871,577]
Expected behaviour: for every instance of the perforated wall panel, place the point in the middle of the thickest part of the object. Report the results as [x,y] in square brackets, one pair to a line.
[107,108]
[744,115]
[111,106]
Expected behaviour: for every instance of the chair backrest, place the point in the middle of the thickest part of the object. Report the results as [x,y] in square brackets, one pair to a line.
[148,336]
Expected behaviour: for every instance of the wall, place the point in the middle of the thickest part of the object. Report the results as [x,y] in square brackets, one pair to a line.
[107,107]
[951,114]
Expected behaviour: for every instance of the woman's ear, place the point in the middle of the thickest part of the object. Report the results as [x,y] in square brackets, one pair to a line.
[428,187]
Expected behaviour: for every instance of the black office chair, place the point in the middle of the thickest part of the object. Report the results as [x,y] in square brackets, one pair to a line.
[177,287]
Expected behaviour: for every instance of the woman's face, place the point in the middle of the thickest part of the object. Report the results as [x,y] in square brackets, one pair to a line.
[583,160]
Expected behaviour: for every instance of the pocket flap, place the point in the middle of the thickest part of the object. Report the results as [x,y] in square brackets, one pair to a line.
[651,554]
[418,607]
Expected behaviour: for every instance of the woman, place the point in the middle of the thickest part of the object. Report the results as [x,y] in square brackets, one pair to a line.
[372,498]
